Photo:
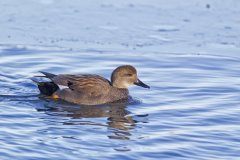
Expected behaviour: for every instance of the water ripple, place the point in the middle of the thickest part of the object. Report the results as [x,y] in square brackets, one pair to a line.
[190,112]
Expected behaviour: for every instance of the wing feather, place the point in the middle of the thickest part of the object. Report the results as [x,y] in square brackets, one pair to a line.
[89,84]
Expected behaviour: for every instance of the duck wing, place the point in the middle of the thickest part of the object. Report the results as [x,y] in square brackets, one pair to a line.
[91,84]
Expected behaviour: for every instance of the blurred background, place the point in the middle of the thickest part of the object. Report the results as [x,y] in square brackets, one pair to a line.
[200,26]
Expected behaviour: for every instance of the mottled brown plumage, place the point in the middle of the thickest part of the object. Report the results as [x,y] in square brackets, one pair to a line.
[91,89]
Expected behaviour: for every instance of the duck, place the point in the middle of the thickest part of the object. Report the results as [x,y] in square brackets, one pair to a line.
[90,89]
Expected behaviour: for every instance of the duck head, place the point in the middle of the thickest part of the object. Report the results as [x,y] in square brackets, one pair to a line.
[124,76]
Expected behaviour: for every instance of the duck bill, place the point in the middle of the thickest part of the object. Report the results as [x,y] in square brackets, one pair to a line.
[141,84]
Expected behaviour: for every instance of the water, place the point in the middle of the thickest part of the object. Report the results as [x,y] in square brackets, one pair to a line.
[191,111]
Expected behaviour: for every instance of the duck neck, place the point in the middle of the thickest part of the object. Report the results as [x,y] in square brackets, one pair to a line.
[119,93]
[119,85]
[116,84]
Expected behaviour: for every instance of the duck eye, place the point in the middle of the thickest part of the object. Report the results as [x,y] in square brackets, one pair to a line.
[128,75]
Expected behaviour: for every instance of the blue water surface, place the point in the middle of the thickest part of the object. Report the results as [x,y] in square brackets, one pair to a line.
[191,111]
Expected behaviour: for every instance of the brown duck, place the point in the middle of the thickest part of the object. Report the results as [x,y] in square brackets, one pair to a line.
[91,89]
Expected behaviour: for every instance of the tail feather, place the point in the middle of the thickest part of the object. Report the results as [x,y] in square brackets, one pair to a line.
[46,88]
[48,75]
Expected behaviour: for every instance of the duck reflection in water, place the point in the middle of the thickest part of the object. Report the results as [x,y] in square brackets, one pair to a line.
[119,122]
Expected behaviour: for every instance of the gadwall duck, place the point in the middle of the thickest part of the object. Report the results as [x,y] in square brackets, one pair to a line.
[90,89]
